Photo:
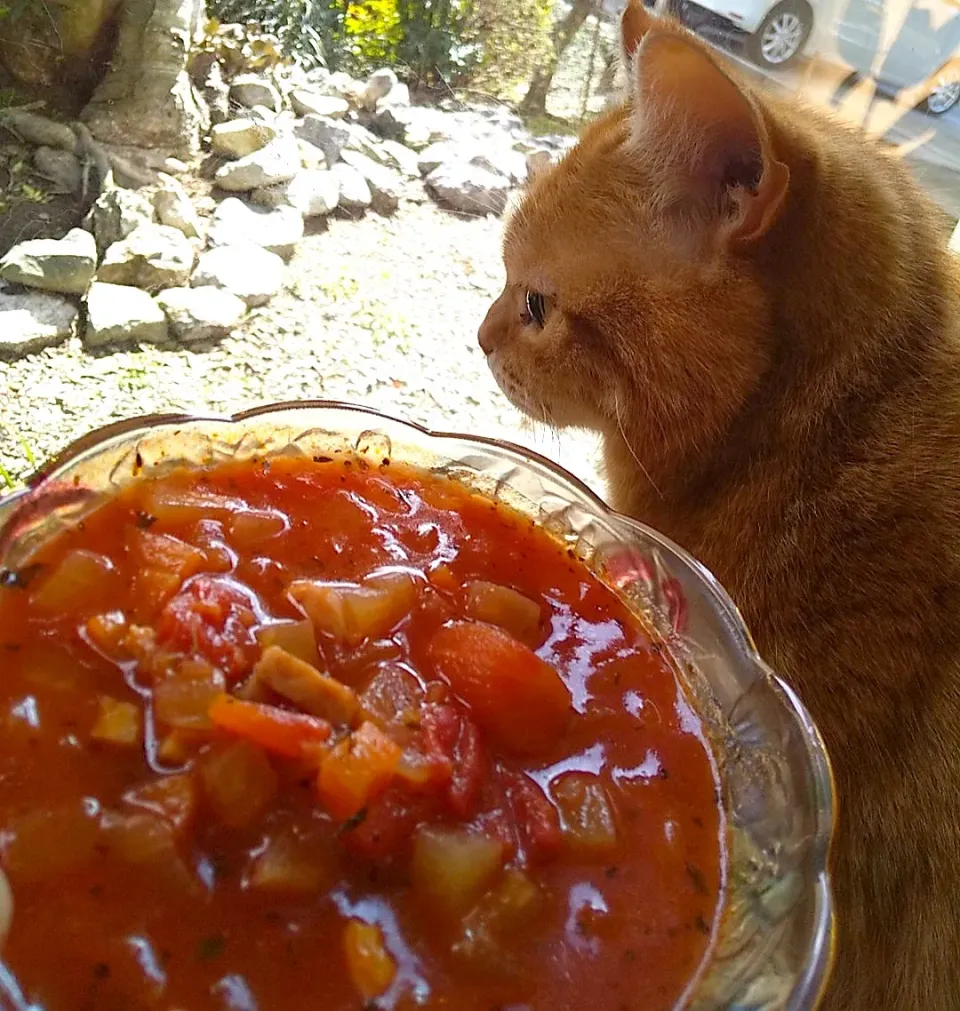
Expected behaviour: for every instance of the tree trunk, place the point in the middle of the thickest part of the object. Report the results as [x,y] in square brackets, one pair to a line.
[535,100]
[146,98]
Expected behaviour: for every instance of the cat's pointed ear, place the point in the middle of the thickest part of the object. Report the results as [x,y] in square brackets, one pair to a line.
[634,24]
[699,126]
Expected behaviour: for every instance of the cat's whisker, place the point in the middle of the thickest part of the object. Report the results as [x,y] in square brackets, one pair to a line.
[626,442]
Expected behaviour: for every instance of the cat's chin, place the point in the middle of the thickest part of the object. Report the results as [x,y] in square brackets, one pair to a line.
[514,391]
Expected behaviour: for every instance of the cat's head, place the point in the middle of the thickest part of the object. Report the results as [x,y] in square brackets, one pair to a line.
[632,266]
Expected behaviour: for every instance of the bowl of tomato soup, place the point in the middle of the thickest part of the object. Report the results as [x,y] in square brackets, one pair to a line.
[310,707]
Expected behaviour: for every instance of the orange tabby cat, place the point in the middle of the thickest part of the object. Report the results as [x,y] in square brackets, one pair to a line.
[754,307]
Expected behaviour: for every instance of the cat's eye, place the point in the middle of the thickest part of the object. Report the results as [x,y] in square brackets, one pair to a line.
[536,307]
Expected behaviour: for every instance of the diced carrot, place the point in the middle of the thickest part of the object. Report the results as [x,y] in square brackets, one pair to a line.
[78,583]
[371,966]
[173,798]
[441,577]
[107,633]
[305,686]
[239,782]
[518,699]
[274,729]
[117,722]
[359,768]
[506,608]
[296,637]
[160,563]
[352,612]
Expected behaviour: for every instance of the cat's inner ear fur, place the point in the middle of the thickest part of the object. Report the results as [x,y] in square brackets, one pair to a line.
[701,133]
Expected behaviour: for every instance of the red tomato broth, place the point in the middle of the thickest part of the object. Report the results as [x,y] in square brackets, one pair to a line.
[184,926]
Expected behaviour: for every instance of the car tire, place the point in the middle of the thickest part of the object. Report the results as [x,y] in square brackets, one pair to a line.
[782,34]
[942,99]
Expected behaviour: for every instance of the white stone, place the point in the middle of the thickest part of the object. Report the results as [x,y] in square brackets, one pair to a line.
[202,313]
[174,207]
[277,229]
[440,152]
[504,162]
[240,137]
[246,270]
[117,313]
[33,320]
[311,157]
[355,193]
[306,103]
[115,214]
[66,265]
[261,114]
[329,135]
[470,188]
[276,163]
[60,167]
[312,193]
[402,158]
[249,90]
[150,257]
[384,183]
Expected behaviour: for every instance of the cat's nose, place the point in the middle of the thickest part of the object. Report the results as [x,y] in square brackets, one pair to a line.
[491,332]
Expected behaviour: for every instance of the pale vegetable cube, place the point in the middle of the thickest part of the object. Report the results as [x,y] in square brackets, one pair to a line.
[253,526]
[289,865]
[392,692]
[502,606]
[173,798]
[296,637]
[353,612]
[140,838]
[117,722]
[161,564]
[81,581]
[452,866]
[48,842]
[169,504]
[315,693]
[239,782]
[183,697]
[371,966]
[491,928]
[6,908]
[586,813]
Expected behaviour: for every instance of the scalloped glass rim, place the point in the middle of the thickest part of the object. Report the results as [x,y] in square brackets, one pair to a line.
[774,946]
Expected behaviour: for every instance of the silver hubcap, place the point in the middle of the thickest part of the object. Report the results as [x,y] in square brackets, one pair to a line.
[782,38]
[944,96]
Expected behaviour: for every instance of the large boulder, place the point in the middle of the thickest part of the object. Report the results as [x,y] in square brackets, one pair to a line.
[60,167]
[201,314]
[115,214]
[152,257]
[277,229]
[240,137]
[306,103]
[39,130]
[505,162]
[312,193]
[33,320]
[278,162]
[174,207]
[66,265]
[117,313]
[385,186]
[404,159]
[471,188]
[416,126]
[249,90]
[355,192]
[246,270]
[329,135]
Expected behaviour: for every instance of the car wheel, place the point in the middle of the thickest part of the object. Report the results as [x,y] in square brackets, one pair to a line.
[943,97]
[781,36]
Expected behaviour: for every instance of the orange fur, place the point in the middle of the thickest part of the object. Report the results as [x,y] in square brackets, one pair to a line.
[755,308]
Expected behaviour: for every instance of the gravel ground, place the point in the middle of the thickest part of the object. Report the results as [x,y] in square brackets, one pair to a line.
[381,312]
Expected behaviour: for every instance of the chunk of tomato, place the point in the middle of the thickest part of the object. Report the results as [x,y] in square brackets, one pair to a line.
[453,741]
[384,828]
[212,618]
[535,817]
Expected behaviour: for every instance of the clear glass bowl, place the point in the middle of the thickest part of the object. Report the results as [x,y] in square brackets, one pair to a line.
[773,948]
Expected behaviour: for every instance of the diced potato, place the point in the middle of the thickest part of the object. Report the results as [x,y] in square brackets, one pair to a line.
[453,866]
[180,745]
[173,798]
[6,908]
[172,505]
[161,564]
[371,966]
[586,813]
[50,665]
[80,582]
[502,606]
[183,698]
[117,722]
[392,691]
[441,578]
[107,632]
[353,612]
[316,693]
[140,838]
[239,782]
[356,770]
[48,842]
[295,637]
[252,527]
[492,927]
[290,865]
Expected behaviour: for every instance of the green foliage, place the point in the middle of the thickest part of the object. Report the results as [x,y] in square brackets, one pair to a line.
[299,26]
[511,38]
[372,32]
